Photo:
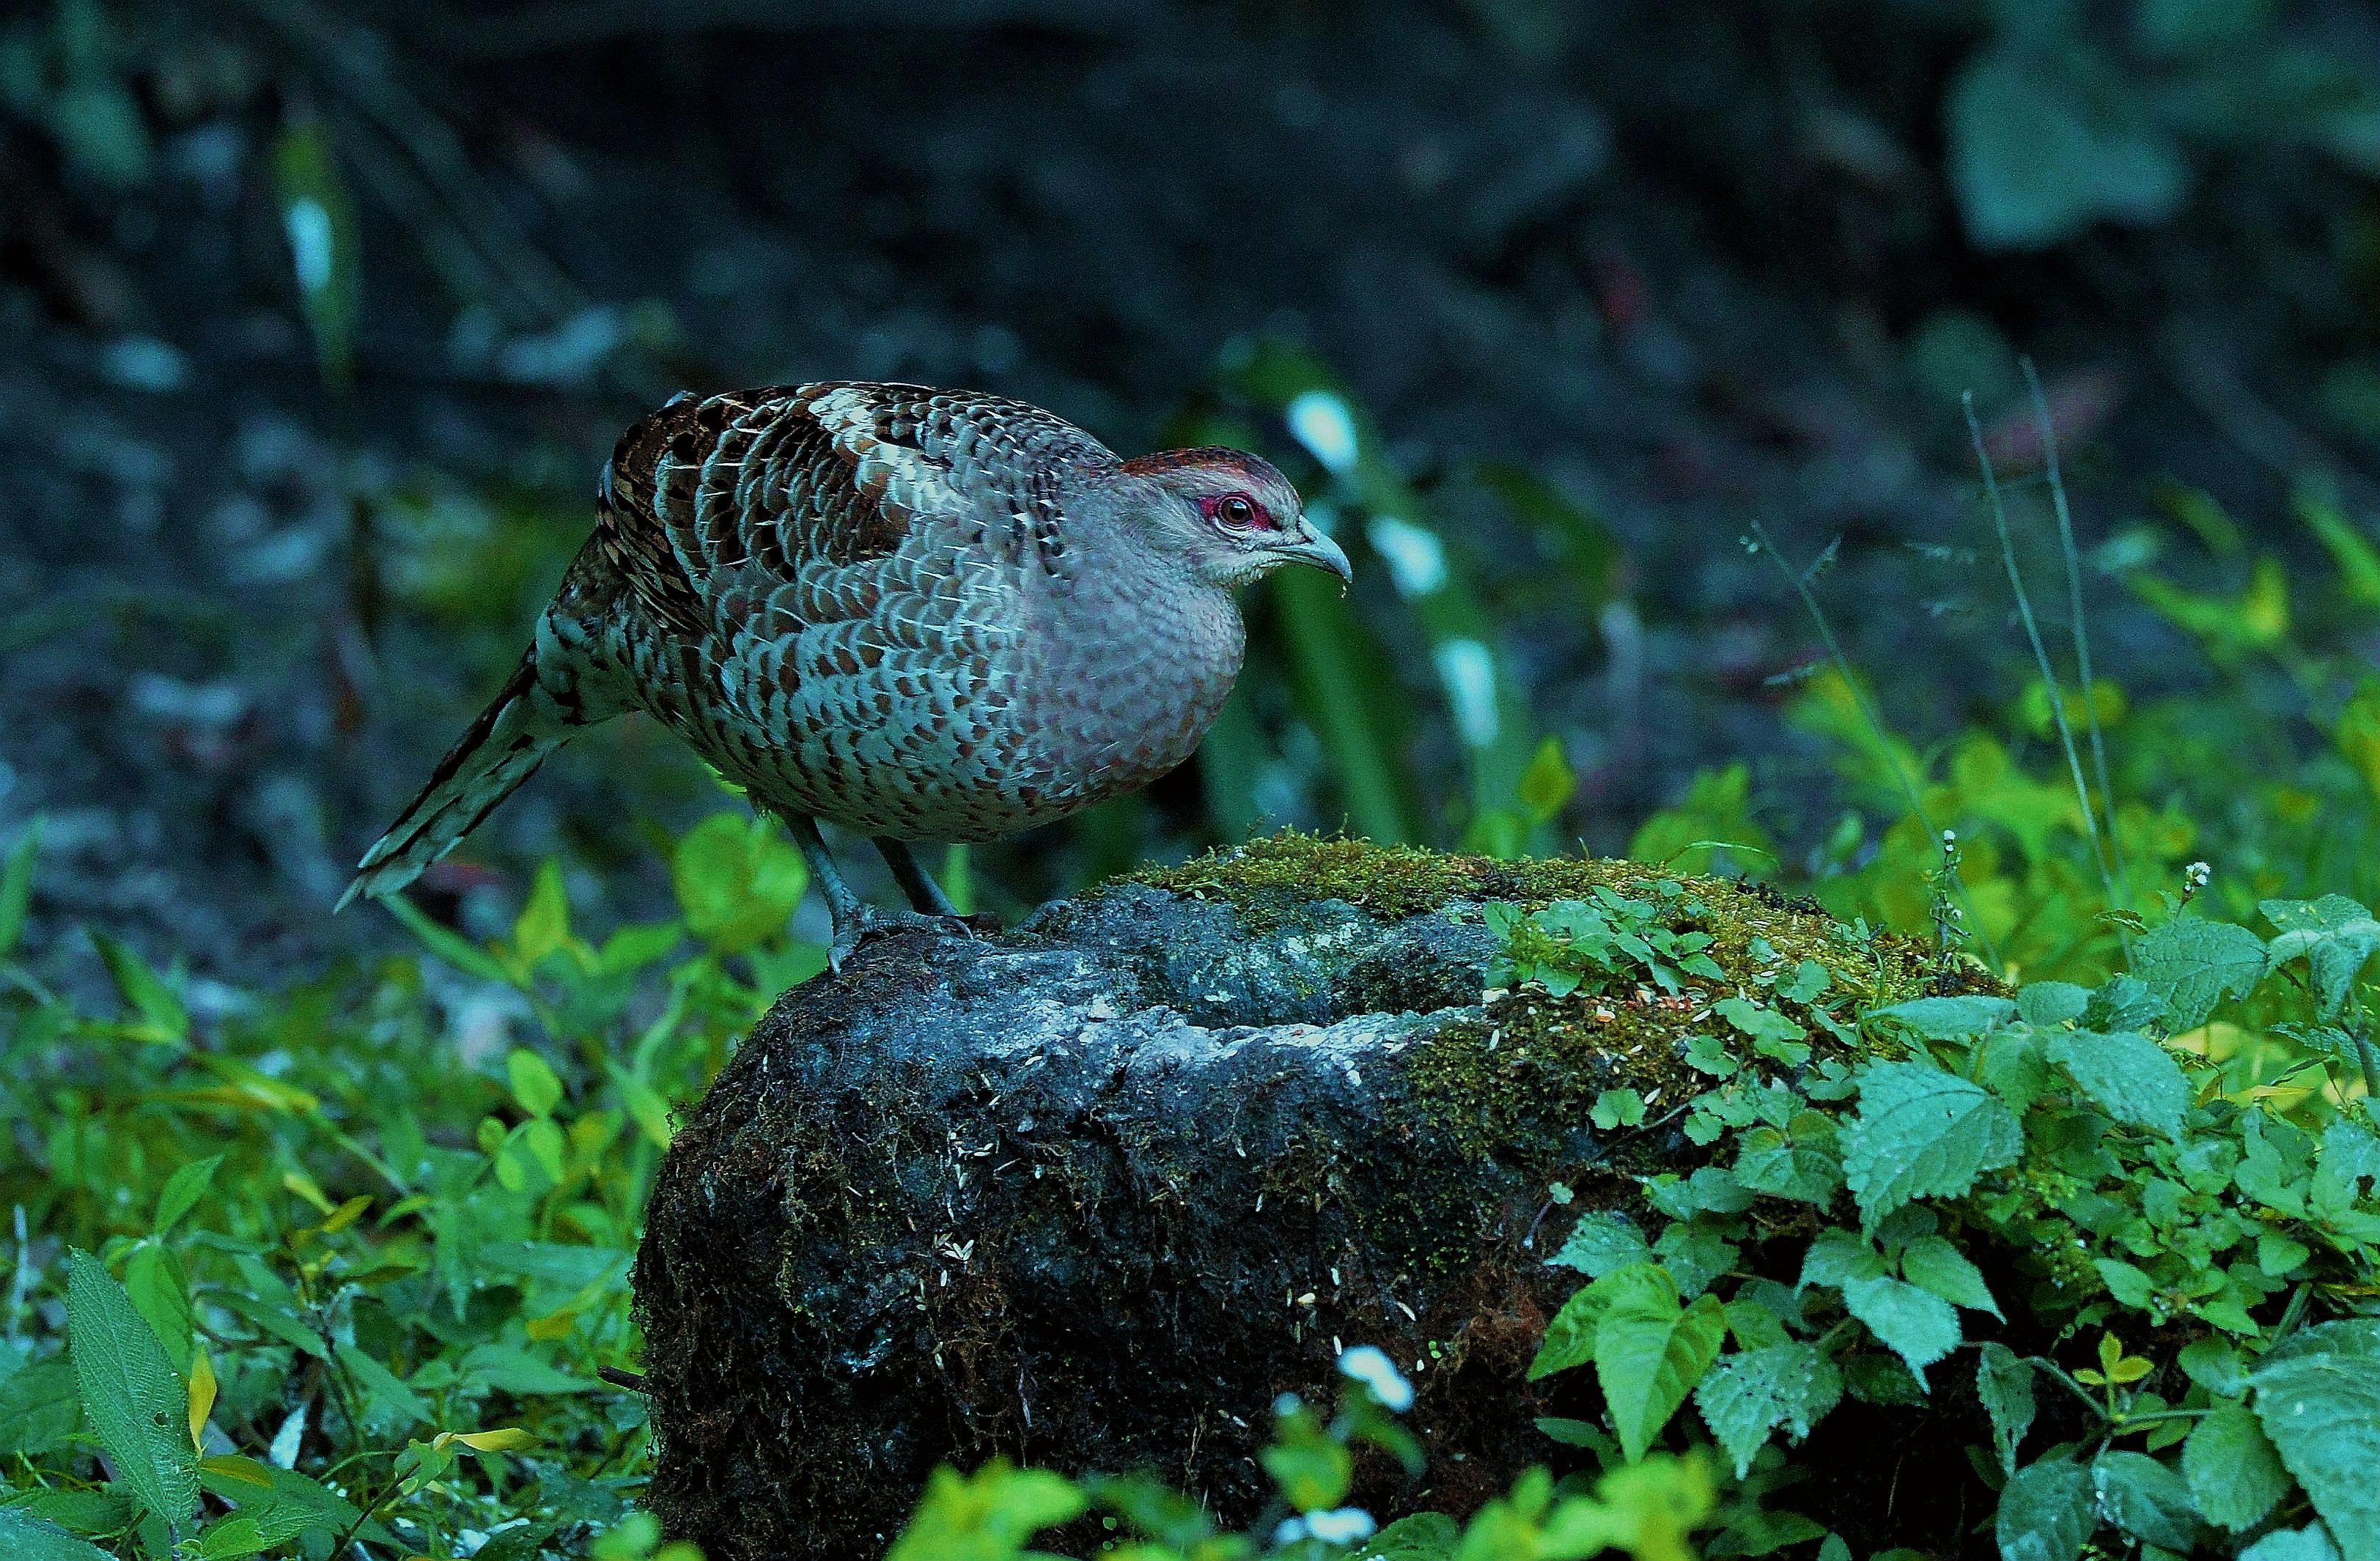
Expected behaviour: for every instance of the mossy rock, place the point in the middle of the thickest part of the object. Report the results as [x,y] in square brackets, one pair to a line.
[1093,1193]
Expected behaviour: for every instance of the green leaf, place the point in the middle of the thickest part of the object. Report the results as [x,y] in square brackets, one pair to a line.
[2048,1004]
[1601,1241]
[1548,784]
[39,1407]
[2235,1475]
[2312,1542]
[135,1404]
[163,1019]
[1765,1025]
[2334,935]
[1748,1394]
[737,879]
[1802,1161]
[182,1191]
[2320,1404]
[2045,1512]
[2144,1498]
[1917,1326]
[1837,1257]
[160,1291]
[988,1514]
[1931,1262]
[17,888]
[2004,1383]
[1647,1358]
[2043,143]
[1921,1132]
[536,1086]
[1949,1019]
[24,1537]
[1617,1109]
[2129,1077]
[2193,964]
[447,944]
[319,221]
[1570,1334]
[1419,1536]
[545,925]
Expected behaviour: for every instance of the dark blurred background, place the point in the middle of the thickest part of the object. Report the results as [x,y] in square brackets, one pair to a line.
[317,319]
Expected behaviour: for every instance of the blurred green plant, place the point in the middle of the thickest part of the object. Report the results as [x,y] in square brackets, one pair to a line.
[2061,119]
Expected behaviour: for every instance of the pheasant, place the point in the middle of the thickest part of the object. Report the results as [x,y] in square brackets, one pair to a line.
[917,614]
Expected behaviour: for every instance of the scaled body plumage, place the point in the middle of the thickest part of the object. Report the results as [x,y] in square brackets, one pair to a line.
[917,614]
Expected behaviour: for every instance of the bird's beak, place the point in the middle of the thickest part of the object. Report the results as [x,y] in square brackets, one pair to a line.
[1312,547]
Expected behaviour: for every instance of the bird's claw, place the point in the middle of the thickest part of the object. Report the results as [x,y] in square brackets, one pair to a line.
[873,923]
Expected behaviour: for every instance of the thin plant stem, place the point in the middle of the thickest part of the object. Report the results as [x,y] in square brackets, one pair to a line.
[2040,657]
[2078,624]
[1869,714]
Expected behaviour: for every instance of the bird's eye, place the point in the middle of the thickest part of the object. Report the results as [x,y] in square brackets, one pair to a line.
[1236,511]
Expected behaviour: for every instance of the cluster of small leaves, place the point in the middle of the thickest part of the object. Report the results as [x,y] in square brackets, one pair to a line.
[1647,1508]
[2214,1250]
[1600,941]
[345,1263]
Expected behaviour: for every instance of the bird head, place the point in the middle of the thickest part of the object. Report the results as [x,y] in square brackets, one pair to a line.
[1231,516]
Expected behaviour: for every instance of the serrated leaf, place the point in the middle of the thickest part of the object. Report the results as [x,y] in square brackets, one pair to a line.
[24,1537]
[2320,1405]
[2234,1472]
[182,1191]
[2193,964]
[2046,1511]
[132,1400]
[1648,1357]
[2334,935]
[1917,1326]
[1950,1019]
[2004,1383]
[1921,1132]
[2044,1004]
[1836,1256]
[1748,1394]
[2129,1076]
[1802,1161]
[2309,1543]
[1931,1262]
[1569,1334]
[2144,1498]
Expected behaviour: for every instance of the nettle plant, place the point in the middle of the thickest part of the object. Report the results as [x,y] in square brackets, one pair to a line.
[2191,1256]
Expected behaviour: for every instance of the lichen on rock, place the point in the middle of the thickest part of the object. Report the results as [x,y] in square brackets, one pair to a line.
[1093,1193]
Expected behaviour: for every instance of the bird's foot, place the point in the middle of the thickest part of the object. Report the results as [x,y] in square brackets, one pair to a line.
[868,921]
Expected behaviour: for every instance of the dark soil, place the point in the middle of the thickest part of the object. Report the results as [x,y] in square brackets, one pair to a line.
[1672,257]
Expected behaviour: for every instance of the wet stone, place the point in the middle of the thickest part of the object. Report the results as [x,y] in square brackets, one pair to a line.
[1060,1194]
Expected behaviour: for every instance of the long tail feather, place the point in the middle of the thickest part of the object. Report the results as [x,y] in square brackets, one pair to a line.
[502,749]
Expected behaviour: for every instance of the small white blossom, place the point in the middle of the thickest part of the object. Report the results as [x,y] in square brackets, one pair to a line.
[1348,1525]
[1377,1372]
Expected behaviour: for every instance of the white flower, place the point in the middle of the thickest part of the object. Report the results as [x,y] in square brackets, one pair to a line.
[1380,1373]
[1348,1525]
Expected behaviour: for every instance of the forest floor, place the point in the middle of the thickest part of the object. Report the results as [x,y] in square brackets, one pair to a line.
[1694,265]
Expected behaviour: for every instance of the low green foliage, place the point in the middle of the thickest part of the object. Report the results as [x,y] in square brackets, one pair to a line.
[2002,1180]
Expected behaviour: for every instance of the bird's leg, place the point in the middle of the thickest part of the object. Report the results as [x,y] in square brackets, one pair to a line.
[845,912]
[852,919]
[925,895]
